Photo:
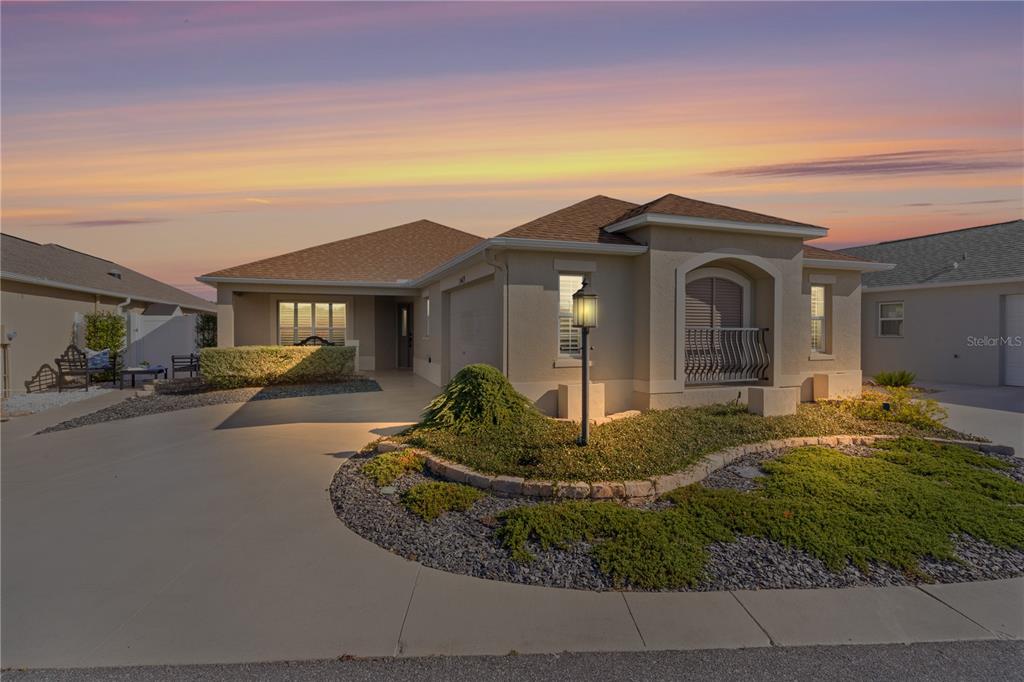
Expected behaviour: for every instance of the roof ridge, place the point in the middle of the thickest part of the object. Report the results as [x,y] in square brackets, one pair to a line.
[937,234]
[83,253]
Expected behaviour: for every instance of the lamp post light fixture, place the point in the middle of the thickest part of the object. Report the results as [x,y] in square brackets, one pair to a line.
[584,317]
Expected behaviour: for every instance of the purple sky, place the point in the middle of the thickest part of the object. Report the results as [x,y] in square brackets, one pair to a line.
[179,138]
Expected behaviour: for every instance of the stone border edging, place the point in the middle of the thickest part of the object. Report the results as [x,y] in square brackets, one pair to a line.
[645,489]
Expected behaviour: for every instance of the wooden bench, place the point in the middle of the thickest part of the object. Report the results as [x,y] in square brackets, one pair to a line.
[74,363]
[188,364]
[314,341]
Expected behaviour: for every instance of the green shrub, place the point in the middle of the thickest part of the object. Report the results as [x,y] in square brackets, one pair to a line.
[106,331]
[479,396]
[387,468]
[898,378]
[898,506]
[262,365]
[430,500]
[206,330]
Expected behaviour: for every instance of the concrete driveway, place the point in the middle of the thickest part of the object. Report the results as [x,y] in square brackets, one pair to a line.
[995,412]
[207,536]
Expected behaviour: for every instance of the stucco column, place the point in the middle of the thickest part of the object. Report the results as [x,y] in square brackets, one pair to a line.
[225,318]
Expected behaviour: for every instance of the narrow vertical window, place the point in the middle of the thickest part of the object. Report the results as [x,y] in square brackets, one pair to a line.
[819,319]
[426,306]
[286,324]
[568,336]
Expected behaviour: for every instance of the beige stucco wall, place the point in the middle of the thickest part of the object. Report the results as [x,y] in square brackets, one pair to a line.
[534,366]
[43,318]
[637,352]
[937,324]
[249,317]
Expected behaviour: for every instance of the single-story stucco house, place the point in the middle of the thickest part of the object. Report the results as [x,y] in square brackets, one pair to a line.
[952,310]
[47,289]
[698,303]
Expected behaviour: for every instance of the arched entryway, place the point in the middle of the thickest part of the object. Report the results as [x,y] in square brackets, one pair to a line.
[728,309]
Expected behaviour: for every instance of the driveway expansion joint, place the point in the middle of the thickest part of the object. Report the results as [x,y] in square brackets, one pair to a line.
[399,646]
[633,618]
[771,640]
[994,633]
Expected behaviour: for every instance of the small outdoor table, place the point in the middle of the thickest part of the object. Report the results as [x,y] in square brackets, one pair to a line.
[154,370]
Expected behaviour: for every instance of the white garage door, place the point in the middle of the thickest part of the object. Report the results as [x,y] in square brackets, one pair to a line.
[1013,353]
[473,326]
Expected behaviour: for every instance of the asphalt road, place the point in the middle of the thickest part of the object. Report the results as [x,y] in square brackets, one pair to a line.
[983,660]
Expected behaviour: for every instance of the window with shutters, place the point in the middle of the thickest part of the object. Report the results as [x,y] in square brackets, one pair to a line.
[568,336]
[714,302]
[299,321]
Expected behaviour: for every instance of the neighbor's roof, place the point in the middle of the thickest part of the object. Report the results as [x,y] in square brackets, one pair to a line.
[63,268]
[581,222]
[392,255]
[965,255]
[673,204]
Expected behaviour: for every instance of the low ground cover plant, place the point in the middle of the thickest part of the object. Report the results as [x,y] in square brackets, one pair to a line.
[897,506]
[263,365]
[387,468]
[525,443]
[430,500]
[897,378]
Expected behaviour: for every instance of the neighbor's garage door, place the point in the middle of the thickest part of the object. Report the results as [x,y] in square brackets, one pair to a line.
[473,326]
[1014,354]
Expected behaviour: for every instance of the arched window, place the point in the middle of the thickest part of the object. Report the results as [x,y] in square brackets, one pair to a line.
[714,302]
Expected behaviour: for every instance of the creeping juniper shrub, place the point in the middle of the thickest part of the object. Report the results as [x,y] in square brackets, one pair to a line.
[897,506]
[430,500]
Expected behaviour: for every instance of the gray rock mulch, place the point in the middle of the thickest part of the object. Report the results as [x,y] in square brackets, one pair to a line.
[465,543]
[140,406]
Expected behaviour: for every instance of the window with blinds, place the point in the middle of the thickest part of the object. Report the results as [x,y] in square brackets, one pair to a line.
[568,336]
[298,321]
[714,302]
[819,328]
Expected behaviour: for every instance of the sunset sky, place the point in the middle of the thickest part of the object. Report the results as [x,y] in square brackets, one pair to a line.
[179,138]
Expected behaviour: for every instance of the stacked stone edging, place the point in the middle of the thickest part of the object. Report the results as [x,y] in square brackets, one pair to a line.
[645,489]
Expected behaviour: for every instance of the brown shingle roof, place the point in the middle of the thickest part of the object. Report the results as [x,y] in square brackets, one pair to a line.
[581,222]
[673,204]
[61,267]
[824,254]
[392,255]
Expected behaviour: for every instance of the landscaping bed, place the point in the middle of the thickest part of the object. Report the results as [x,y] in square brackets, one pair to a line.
[185,394]
[898,513]
[656,442]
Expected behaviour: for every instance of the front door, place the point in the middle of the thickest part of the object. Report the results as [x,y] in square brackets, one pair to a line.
[404,336]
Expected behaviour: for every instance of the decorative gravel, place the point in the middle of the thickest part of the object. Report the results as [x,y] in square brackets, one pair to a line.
[463,542]
[29,403]
[155,404]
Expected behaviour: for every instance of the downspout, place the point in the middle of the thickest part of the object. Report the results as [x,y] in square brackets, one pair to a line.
[489,259]
[127,323]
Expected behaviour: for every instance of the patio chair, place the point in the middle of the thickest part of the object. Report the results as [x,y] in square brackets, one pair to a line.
[188,364]
[74,363]
[314,341]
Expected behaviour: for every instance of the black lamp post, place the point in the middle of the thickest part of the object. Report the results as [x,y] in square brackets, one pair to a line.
[584,316]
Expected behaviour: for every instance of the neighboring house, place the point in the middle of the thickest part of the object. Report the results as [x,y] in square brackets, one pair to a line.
[698,303]
[952,311]
[47,289]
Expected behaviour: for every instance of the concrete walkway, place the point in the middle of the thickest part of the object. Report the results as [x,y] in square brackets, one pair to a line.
[207,536]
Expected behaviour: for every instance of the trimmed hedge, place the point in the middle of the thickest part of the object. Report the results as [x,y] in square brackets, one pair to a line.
[262,365]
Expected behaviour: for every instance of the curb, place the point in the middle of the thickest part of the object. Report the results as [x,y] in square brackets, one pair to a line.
[643,489]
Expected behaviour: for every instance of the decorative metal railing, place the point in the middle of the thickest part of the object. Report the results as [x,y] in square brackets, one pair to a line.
[718,355]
